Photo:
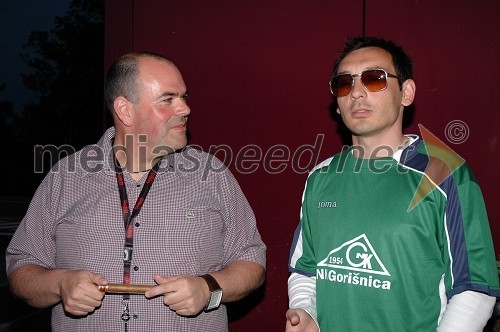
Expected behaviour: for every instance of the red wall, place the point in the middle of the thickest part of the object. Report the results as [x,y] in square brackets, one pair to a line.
[258,71]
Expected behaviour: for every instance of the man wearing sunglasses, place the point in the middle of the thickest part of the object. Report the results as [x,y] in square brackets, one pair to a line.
[390,237]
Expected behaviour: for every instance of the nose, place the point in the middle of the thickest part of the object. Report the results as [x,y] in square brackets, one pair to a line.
[358,90]
[183,108]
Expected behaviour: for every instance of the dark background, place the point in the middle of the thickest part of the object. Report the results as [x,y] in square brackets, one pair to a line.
[257,73]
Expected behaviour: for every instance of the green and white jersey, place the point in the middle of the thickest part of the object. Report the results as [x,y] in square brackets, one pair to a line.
[387,249]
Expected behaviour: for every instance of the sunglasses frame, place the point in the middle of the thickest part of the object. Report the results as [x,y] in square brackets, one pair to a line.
[360,75]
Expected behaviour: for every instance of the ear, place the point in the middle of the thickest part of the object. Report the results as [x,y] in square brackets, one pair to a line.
[409,89]
[122,108]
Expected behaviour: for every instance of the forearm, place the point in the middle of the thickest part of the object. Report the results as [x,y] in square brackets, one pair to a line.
[239,279]
[36,285]
[467,311]
[302,293]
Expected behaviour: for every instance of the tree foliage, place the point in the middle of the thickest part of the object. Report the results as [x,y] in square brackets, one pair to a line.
[67,74]
[7,117]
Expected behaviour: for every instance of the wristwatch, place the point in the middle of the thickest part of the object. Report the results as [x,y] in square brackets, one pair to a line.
[215,292]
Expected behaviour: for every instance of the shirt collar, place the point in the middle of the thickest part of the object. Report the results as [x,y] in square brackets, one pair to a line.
[410,139]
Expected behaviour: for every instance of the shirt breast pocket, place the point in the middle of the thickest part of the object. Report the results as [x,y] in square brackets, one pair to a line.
[191,238]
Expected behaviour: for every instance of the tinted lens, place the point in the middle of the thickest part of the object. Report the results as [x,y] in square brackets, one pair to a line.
[374,80]
[341,85]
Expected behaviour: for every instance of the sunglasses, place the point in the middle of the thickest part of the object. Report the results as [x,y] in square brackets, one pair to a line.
[372,79]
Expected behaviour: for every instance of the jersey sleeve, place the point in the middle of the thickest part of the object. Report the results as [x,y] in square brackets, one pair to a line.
[302,254]
[472,264]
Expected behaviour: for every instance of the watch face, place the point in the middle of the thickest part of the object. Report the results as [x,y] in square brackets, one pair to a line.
[215,298]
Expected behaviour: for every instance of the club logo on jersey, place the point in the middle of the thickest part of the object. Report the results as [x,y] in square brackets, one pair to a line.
[354,262]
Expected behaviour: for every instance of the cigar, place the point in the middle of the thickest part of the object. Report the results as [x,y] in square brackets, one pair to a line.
[125,288]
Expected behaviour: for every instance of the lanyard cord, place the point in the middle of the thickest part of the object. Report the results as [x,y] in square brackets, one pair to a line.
[129,227]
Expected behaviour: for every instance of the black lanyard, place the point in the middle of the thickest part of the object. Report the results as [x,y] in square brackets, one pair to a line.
[127,221]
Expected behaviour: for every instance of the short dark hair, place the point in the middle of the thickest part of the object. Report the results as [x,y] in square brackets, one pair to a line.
[400,59]
[122,78]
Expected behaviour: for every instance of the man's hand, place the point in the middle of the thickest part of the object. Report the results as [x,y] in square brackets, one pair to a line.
[79,293]
[298,320]
[186,295]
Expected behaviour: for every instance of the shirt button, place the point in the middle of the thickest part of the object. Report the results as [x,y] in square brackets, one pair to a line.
[135,316]
[136,268]
[137,224]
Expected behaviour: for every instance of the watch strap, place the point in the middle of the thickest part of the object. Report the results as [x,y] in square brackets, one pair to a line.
[215,292]
[213,285]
